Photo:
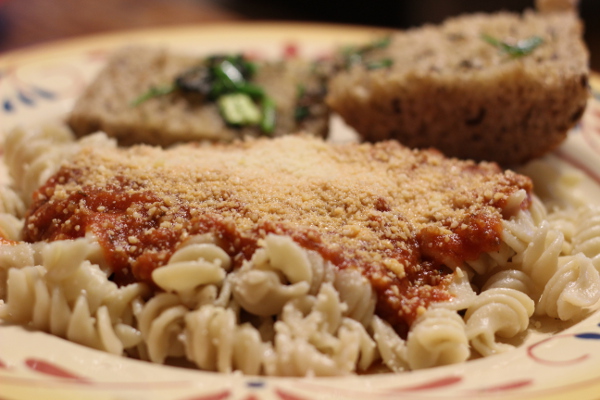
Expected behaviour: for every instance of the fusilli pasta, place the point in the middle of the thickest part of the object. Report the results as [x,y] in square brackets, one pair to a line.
[70,297]
[437,338]
[286,310]
[502,312]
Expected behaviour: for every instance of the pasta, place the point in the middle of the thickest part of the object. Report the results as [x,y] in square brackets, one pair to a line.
[574,288]
[315,339]
[10,226]
[215,342]
[497,312]
[33,155]
[513,279]
[12,208]
[192,266]
[262,285]
[68,296]
[391,347]
[438,337]
[586,235]
[287,310]
[10,202]
[358,296]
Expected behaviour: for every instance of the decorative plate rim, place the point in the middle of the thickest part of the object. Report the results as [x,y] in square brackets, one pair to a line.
[41,364]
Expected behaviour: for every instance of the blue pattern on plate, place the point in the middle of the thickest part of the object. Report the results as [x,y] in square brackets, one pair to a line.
[7,105]
[27,97]
[595,336]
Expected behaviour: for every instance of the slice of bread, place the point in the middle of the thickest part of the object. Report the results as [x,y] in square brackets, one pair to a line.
[164,120]
[449,88]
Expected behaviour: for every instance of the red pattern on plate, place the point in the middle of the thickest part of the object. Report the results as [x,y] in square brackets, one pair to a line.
[212,396]
[283,395]
[506,386]
[531,353]
[434,384]
[48,368]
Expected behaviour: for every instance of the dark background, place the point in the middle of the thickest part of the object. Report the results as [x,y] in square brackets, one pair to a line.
[30,22]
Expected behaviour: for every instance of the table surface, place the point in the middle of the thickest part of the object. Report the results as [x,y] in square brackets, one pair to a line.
[32,22]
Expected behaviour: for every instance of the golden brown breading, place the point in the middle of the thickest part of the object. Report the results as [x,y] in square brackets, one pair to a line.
[106,104]
[449,88]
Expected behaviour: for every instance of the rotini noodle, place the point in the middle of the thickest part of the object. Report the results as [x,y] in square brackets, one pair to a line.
[586,238]
[162,336]
[461,290]
[160,322]
[32,156]
[513,279]
[572,291]
[55,288]
[321,337]
[262,287]
[287,311]
[35,301]
[357,344]
[564,221]
[191,266]
[540,259]
[262,292]
[500,312]
[437,338]
[215,341]
[390,346]
[10,227]
[357,294]
[10,202]
[295,356]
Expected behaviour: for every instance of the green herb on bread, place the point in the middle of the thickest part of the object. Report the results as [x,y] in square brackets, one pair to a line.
[356,55]
[521,48]
[225,80]
[154,92]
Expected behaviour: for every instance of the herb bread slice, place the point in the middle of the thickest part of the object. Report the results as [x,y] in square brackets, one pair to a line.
[502,87]
[133,98]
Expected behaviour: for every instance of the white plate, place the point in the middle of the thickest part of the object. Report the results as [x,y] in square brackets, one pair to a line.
[41,83]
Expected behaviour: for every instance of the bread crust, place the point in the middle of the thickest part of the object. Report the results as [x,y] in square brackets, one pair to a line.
[450,89]
[130,72]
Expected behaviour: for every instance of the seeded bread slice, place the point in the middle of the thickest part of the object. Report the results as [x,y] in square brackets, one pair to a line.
[450,89]
[164,120]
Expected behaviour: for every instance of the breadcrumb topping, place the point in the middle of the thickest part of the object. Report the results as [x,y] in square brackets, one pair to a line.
[404,218]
